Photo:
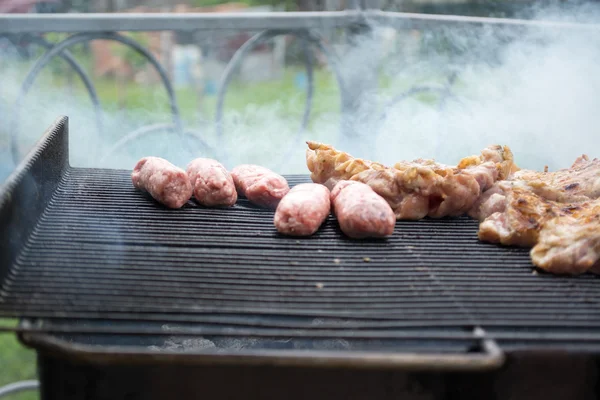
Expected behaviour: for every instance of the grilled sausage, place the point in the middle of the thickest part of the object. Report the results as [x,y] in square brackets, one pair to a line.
[260,185]
[212,183]
[337,188]
[165,182]
[360,211]
[302,211]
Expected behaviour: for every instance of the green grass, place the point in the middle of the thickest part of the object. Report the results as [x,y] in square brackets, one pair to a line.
[17,363]
[239,95]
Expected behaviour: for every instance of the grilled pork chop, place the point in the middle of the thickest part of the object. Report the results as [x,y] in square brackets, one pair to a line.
[418,188]
[579,183]
[556,213]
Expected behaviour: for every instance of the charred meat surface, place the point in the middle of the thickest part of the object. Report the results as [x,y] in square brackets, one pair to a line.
[259,185]
[165,182]
[302,211]
[565,236]
[580,182]
[556,213]
[418,188]
[570,243]
[360,211]
[212,183]
[518,223]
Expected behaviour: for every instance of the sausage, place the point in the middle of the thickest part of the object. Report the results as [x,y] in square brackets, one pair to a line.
[337,188]
[259,185]
[302,211]
[360,211]
[212,183]
[165,182]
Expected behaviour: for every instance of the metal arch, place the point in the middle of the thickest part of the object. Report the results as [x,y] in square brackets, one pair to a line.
[148,129]
[235,62]
[332,59]
[17,387]
[11,39]
[65,55]
[445,93]
[257,39]
[86,37]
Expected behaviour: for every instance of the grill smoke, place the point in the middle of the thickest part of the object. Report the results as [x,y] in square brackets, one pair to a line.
[535,90]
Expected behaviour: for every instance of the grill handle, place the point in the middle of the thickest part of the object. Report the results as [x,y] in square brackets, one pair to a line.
[491,356]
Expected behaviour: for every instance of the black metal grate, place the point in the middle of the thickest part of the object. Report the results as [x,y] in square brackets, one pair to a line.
[104,251]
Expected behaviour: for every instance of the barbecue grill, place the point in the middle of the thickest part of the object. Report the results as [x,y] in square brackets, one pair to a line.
[125,299]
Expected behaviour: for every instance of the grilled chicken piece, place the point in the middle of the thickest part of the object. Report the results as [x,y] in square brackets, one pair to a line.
[556,213]
[579,183]
[565,236]
[570,244]
[418,188]
[521,216]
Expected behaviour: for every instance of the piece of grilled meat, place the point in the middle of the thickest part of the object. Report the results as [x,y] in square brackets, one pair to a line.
[556,213]
[570,244]
[565,236]
[579,183]
[523,215]
[418,188]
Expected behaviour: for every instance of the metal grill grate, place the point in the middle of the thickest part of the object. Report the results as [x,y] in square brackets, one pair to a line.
[104,250]
[104,258]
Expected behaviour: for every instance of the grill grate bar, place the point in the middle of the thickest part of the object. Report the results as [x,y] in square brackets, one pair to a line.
[224,281]
[103,251]
[114,293]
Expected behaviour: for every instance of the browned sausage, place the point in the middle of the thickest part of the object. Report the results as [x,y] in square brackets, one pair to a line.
[165,182]
[260,185]
[360,211]
[212,183]
[302,211]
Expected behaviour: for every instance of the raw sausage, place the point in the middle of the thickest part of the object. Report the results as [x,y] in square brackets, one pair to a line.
[302,211]
[165,182]
[260,185]
[212,183]
[360,211]
[337,188]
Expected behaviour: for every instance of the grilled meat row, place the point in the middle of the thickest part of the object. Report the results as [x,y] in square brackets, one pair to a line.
[555,213]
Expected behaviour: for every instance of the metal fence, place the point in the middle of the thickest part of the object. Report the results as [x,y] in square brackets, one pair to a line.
[307,26]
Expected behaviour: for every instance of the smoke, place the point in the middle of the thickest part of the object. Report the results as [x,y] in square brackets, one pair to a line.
[535,90]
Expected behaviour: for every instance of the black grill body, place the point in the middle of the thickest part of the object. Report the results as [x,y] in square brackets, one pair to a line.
[123,298]
[523,377]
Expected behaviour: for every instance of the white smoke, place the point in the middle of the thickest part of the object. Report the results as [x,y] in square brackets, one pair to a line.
[537,93]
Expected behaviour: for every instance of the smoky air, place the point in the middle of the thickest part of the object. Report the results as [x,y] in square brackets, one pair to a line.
[533,89]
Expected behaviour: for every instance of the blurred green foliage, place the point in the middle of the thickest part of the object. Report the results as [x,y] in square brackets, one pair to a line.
[130,55]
